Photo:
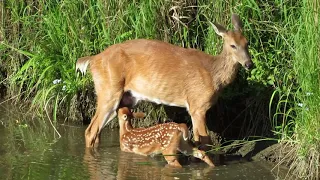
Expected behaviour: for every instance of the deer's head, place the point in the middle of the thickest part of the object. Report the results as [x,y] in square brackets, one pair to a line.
[235,44]
[124,114]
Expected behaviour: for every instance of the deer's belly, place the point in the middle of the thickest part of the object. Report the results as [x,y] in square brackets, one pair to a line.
[146,150]
[159,100]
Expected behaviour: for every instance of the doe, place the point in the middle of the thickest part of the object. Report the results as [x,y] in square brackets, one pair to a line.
[166,74]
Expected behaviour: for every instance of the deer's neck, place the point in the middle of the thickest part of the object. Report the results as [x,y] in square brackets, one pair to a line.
[125,127]
[224,69]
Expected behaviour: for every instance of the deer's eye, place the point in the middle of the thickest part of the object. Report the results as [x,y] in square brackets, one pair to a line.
[233,46]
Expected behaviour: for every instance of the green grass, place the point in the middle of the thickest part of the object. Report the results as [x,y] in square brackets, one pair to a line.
[41,41]
[306,67]
[296,117]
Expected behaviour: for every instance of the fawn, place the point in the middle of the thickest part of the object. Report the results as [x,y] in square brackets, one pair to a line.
[167,138]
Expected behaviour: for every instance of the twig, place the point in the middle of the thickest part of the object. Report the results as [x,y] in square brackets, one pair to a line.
[55,129]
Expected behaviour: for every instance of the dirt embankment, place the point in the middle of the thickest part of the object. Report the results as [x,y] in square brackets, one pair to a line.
[266,150]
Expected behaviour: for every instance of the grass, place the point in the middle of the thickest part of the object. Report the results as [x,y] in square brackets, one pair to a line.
[41,41]
[306,66]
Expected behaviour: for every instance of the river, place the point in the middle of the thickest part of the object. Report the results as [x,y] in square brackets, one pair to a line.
[31,149]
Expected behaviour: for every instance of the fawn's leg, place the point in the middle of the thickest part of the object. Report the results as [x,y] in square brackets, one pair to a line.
[170,153]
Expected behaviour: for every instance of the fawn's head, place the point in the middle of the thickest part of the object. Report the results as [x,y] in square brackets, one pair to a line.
[235,43]
[124,114]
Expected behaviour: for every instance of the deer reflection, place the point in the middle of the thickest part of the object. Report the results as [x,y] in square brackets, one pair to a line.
[98,166]
[141,167]
[122,165]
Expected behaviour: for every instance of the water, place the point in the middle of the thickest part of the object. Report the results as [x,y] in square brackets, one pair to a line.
[30,152]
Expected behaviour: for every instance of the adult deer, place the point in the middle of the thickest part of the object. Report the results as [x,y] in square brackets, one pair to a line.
[167,138]
[163,73]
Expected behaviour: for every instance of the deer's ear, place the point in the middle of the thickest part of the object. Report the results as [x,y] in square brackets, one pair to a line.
[220,30]
[237,23]
[124,117]
[138,114]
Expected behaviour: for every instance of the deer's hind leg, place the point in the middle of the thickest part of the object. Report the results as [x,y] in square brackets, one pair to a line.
[106,110]
[107,74]
[109,90]
[171,158]
[170,152]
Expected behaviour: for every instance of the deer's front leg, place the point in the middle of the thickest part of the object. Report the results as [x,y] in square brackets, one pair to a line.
[199,129]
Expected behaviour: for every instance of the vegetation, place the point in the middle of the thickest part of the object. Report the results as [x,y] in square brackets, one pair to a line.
[42,39]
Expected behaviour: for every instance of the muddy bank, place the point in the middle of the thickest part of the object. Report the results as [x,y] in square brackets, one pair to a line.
[266,150]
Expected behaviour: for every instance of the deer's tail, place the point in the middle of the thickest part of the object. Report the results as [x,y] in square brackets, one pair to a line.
[82,64]
[185,131]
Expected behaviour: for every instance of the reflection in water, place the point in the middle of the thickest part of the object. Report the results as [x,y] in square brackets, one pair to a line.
[98,167]
[30,151]
[133,166]
[130,165]
[141,167]
[108,162]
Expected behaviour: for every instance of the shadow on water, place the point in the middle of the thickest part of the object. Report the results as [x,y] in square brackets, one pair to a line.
[30,150]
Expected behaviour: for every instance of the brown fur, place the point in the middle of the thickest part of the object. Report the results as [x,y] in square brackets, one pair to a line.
[163,73]
[167,138]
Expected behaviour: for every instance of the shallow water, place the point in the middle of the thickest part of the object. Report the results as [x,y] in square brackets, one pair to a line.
[27,152]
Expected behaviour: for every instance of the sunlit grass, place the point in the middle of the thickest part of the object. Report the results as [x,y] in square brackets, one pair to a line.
[296,117]
[306,67]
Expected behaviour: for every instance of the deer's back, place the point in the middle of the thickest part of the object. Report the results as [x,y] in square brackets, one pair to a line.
[156,71]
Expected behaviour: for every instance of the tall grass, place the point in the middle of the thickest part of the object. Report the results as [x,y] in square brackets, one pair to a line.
[56,34]
[306,67]
[41,41]
[296,117]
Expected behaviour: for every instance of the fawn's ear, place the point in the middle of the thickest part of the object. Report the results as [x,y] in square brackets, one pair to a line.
[138,114]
